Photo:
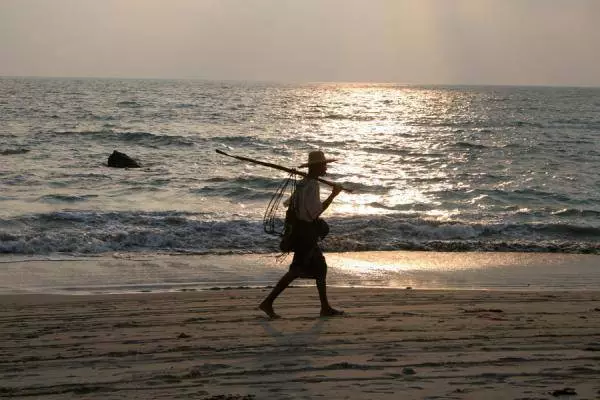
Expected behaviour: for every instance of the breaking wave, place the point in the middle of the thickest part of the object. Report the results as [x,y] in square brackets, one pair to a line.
[79,232]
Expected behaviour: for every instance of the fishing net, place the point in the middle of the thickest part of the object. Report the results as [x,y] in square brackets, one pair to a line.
[273,224]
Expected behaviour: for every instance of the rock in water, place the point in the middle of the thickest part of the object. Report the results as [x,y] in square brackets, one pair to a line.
[121,160]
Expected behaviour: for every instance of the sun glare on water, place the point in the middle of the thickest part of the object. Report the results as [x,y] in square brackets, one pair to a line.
[373,129]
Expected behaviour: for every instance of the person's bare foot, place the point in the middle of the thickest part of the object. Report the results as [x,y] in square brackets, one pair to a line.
[331,312]
[268,309]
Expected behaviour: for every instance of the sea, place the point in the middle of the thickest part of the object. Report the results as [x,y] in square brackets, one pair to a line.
[429,168]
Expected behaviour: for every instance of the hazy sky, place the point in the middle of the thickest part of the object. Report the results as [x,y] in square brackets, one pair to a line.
[536,42]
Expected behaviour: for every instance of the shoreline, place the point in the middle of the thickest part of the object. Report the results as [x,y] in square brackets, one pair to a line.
[414,343]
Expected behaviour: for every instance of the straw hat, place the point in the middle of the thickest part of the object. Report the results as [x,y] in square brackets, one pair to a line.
[316,157]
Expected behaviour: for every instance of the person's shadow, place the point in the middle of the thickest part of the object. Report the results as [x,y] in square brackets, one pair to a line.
[290,357]
[307,336]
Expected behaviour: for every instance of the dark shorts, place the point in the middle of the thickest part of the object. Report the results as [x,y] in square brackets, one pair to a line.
[308,261]
[310,264]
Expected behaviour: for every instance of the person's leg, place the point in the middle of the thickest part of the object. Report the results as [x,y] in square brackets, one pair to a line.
[322,288]
[267,304]
[326,309]
[300,257]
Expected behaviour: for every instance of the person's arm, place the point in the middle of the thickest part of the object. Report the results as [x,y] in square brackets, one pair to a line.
[336,190]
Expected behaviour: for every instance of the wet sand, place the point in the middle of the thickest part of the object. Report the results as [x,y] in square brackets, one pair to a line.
[215,344]
[139,272]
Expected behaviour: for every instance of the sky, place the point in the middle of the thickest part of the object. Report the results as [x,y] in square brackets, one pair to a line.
[503,42]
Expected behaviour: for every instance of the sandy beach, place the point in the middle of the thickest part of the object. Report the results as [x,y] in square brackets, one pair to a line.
[214,344]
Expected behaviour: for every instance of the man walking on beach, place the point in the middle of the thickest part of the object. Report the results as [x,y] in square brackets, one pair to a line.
[308,261]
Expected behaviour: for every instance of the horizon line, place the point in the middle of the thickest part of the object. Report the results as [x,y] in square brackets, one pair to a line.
[303,82]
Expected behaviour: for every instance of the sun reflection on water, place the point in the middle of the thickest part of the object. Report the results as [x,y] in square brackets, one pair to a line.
[374,130]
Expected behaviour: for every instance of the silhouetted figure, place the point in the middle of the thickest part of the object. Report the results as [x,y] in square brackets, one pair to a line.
[121,160]
[308,261]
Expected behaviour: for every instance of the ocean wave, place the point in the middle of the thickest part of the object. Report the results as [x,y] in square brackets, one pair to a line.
[153,139]
[390,150]
[129,103]
[358,187]
[244,187]
[352,117]
[401,228]
[185,105]
[234,192]
[142,138]
[520,198]
[241,142]
[77,232]
[61,198]
[469,145]
[253,181]
[94,233]
[526,124]
[535,193]
[321,143]
[573,212]
[103,118]
[10,152]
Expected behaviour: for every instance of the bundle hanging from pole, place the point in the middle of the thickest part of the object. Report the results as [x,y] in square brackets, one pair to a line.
[272,223]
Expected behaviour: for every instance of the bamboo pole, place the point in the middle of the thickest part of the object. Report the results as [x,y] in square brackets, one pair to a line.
[279,167]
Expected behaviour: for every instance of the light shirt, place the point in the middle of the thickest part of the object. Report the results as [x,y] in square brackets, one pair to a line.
[308,200]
